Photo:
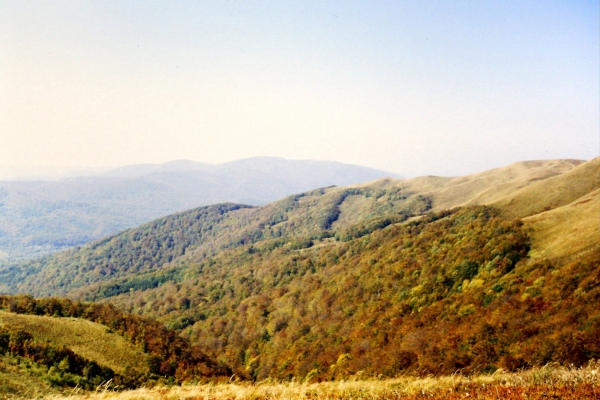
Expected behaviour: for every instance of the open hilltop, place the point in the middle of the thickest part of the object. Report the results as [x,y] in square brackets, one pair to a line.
[496,271]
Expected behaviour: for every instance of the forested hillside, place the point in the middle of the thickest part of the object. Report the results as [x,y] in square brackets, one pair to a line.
[379,279]
[437,295]
[295,221]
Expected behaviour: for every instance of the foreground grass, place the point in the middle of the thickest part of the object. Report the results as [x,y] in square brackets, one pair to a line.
[548,382]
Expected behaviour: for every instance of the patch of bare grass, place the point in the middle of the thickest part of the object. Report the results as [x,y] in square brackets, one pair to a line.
[566,230]
[87,339]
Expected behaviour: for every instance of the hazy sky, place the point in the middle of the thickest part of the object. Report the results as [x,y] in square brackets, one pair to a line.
[413,87]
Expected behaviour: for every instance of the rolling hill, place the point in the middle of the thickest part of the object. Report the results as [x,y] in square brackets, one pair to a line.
[85,338]
[56,344]
[492,270]
[40,217]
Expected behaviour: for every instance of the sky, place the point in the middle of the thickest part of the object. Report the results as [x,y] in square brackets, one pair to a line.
[412,87]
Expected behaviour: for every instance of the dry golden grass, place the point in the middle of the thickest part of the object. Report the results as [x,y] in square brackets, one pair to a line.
[567,230]
[543,382]
[553,192]
[486,187]
[87,339]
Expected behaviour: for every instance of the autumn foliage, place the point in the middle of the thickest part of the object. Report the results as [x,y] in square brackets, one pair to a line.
[450,292]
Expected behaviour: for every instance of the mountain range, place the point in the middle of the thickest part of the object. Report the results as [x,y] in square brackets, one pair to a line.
[498,269]
[40,217]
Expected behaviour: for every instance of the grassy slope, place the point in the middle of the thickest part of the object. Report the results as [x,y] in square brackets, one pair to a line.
[42,355]
[553,192]
[497,186]
[562,213]
[568,230]
[481,188]
[567,187]
[90,340]
[559,199]
[486,187]
[169,356]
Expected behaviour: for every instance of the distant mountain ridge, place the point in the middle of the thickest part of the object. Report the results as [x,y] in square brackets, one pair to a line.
[40,217]
[137,170]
